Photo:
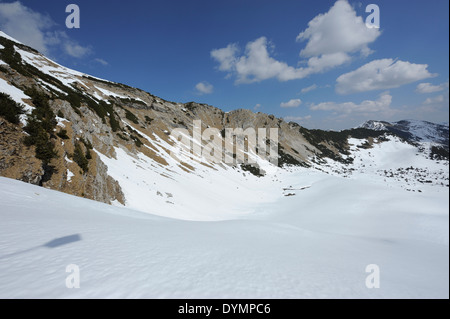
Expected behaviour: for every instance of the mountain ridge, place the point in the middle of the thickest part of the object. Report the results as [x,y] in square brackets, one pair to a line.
[416,130]
[112,143]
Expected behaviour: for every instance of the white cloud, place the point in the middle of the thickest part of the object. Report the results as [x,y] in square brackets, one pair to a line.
[226,57]
[101,61]
[381,105]
[381,75]
[204,88]
[437,100]
[25,25]
[33,29]
[291,103]
[326,62]
[309,89]
[425,88]
[75,50]
[332,38]
[257,106]
[434,109]
[297,118]
[339,30]
[256,65]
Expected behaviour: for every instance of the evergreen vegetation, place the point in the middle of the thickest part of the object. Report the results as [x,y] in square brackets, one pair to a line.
[130,116]
[80,158]
[9,109]
[40,126]
[252,170]
[63,134]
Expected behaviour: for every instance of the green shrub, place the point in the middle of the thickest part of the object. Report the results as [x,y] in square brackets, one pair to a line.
[9,109]
[115,126]
[148,120]
[63,134]
[86,143]
[137,141]
[45,150]
[88,154]
[42,112]
[252,170]
[130,116]
[38,137]
[122,137]
[439,153]
[80,158]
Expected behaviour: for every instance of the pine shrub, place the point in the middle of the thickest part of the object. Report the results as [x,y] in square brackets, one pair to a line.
[9,109]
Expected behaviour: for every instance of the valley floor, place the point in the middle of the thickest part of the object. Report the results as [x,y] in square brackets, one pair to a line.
[311,238]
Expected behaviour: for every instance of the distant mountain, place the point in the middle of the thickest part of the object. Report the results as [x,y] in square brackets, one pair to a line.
[414,130]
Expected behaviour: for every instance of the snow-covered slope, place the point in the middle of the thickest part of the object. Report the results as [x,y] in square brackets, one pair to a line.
[315,244]
[393,163]
[418,131]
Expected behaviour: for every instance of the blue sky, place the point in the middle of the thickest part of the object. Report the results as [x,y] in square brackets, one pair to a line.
[314,62]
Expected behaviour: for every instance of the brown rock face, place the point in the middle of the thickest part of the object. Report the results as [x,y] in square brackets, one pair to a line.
[16,160]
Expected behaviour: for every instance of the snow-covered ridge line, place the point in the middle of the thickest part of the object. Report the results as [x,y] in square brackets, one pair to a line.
[419,131]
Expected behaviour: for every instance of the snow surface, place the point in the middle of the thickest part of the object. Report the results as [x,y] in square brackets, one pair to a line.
[2,34]
[69,175]
[422,131]
[395,164]
[109,93]
[65,75]
[47,66]
[16,94]
[316,244]
[60,121]
[51,86]
[67,159]
[1,47]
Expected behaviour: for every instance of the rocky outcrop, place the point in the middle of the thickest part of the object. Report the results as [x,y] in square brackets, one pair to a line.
[16,160]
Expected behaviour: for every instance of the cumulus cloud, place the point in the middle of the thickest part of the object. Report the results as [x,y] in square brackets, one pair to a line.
[426,88]
[331,38]
[381,105]
[291,103]
[25,25]
[434,109]
[226,56]
[257,106]
[309,89]
[297,118]
[339,30]
[437,100]
[75,50]
[381,75]
[204,88]
[256,64]
[34,29]
[101,61]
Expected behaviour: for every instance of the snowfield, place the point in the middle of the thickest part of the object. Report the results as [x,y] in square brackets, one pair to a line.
[315,244]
